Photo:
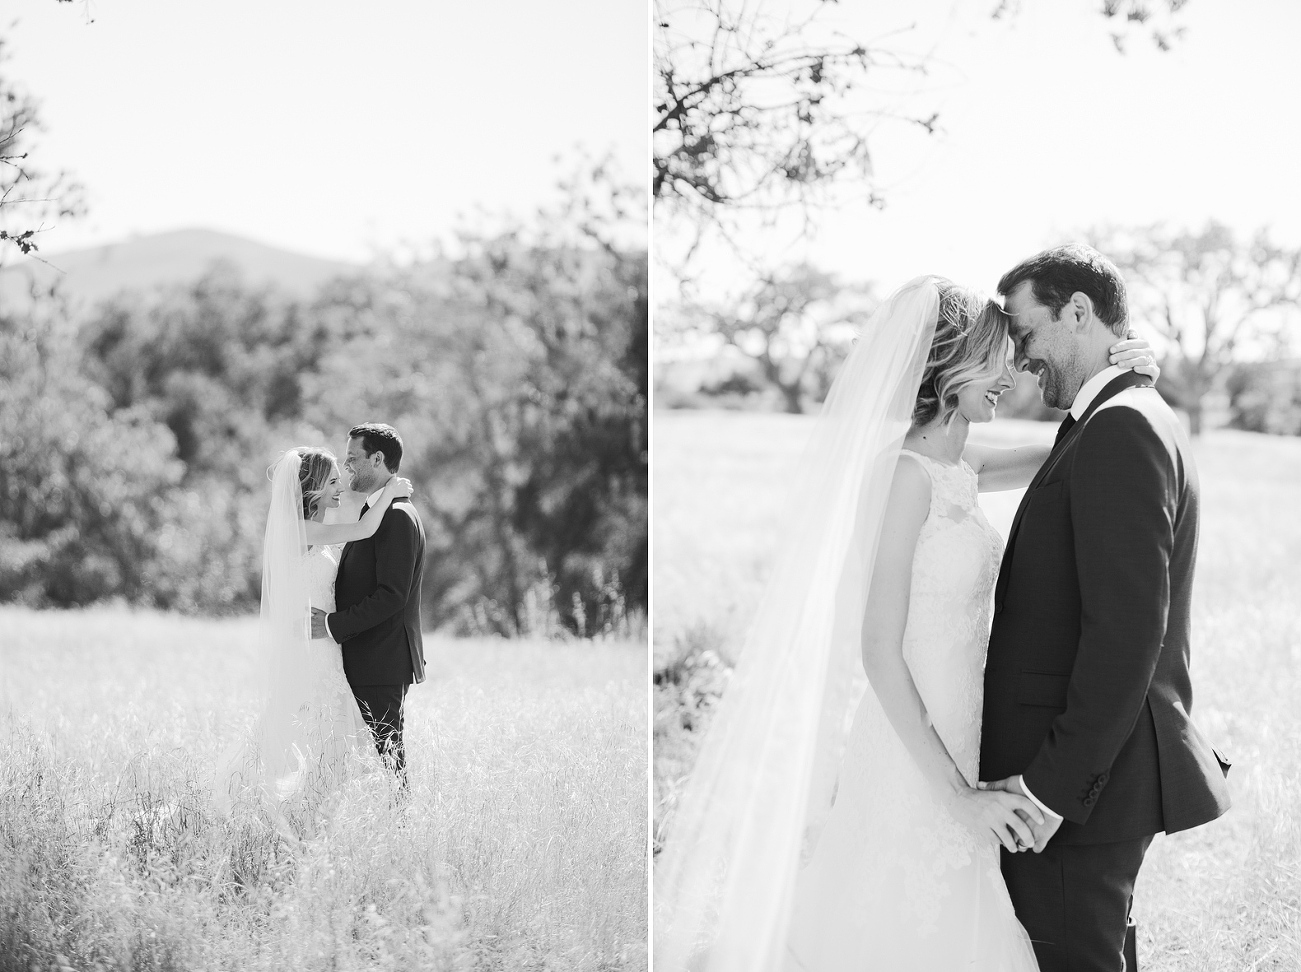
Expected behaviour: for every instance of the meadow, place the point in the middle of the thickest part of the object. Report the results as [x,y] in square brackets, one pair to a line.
[1223,896]
[523,845]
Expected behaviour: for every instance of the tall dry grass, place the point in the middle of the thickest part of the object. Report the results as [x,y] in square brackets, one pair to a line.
[1224,896]
[522,847]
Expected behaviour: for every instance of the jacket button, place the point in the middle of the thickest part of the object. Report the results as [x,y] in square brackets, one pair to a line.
[1090,801]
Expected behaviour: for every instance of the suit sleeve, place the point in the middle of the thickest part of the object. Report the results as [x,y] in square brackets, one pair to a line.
[396,549]
[1123,501]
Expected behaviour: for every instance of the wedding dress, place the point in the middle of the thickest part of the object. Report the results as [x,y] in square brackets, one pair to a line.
[309,736]
[328,727]
[894,881]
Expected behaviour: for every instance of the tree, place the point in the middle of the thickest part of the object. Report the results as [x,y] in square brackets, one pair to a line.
[219,365]
[1265,396]
[572,294]
[80,484]
[28,194]
[751,108]
[583,436]
[756,110]
[795,323]
[1211,299]
[216,360]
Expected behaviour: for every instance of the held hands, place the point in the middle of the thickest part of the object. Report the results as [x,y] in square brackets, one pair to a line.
[319,630]
[1136,354]
[1043,825]
[1010,817]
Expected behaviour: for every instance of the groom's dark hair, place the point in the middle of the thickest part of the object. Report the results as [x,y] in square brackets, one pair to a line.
[1064,270]
[378,437]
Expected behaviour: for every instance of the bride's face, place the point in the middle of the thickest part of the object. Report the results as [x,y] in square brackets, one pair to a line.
[333,490]
[978,399]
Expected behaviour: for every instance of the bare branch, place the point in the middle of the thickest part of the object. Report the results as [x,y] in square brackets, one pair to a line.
[754,112]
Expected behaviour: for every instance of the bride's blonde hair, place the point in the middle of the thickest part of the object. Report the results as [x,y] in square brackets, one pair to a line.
[314,471]
[970,343]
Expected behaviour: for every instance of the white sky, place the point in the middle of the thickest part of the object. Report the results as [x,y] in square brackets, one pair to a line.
[329,128]
[1047,129]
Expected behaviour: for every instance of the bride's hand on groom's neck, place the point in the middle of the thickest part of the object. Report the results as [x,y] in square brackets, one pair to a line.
[398,488]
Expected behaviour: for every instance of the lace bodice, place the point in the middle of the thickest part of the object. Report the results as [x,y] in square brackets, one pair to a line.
[322,564]
[954,570]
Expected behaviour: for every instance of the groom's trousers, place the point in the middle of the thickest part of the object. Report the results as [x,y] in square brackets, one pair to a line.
[381,706]
[1074,900]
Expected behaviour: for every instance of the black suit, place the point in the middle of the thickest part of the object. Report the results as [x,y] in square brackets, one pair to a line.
[1087,689]
[377,621]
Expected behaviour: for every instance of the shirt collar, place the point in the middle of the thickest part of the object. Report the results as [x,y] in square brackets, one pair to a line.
[1089,391]
[370,500]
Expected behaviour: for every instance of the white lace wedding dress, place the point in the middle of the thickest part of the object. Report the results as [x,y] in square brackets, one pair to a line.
[306,742]
[330,725]
[894,882]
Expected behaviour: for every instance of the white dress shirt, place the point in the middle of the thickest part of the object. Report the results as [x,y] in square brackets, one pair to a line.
[1089,390]
[1083,399]
[1048,811]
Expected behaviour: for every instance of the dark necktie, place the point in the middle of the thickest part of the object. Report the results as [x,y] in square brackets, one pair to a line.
[366,506]
[1065,427]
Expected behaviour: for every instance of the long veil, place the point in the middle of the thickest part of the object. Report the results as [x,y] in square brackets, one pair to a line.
[765,776]
[266,761]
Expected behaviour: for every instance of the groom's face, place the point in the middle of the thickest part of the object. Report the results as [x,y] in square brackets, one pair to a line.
[363,476]
[1046,346]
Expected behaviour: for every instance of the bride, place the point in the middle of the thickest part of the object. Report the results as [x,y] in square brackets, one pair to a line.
[834,821]
[309,731]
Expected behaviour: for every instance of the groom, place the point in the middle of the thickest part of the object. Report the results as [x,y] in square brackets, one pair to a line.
[377,596]
[1087,691]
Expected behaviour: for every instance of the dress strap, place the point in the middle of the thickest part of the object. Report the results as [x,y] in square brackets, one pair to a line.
[928,460]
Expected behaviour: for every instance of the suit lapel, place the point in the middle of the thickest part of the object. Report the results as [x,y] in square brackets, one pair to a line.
[1130,379]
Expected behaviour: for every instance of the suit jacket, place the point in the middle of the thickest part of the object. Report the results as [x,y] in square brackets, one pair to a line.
[377,600]
[1087,690]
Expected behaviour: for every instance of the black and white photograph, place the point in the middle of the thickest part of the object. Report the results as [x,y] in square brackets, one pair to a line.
[324,486]
[692,485]
[976,380]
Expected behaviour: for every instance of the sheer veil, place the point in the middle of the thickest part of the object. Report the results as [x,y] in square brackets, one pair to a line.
[766,772]
[267,760]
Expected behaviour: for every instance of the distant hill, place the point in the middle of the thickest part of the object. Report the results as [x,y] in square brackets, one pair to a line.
[162,259]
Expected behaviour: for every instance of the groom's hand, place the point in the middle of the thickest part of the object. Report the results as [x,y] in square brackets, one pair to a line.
[319,630]
[1043,832]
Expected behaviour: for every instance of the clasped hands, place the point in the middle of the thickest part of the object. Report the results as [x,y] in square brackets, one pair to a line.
[1026,827]
[319,630]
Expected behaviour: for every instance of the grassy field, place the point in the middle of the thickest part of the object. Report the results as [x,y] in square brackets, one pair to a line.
[524,846]
[1224,896]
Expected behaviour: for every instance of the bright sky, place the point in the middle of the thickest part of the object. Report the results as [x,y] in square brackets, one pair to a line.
[1047,129]
[329,128]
